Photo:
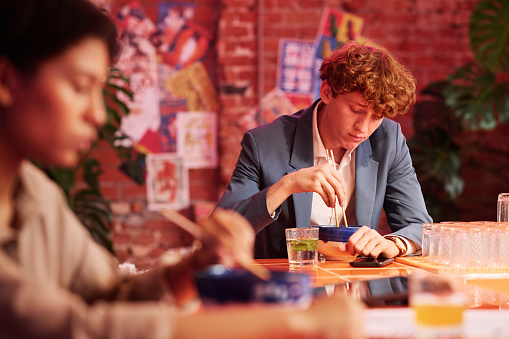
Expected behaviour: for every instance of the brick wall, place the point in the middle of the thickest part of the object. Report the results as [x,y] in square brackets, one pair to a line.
[430,36]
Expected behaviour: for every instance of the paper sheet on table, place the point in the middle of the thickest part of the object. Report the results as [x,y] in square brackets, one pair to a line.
[399,323]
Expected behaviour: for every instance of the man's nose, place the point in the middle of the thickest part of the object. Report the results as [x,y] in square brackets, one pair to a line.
[362,125]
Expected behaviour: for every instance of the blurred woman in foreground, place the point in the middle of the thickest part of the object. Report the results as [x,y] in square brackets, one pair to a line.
[55,281]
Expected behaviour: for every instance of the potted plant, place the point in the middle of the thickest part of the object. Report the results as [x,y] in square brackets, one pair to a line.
[474,97]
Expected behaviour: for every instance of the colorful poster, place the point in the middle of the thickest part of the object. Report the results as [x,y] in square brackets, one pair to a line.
[197,139]
[299,101]
[168,129]
[178,39]
[167,182]
[274,104]
[193,84]
[138,63]
[148,143]
[335,29]
[295,66]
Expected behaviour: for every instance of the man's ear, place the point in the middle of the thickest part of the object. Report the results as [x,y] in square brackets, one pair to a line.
[7,81]
[325,92]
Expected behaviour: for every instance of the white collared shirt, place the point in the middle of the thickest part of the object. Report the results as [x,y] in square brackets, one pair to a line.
[321,214]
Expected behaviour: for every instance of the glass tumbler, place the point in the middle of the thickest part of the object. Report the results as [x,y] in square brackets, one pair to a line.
[436,230]
[503,207]
[426,239]
[302,245]
[466,246]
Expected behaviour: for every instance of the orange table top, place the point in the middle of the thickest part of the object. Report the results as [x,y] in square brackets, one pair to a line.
[335,272]
[483,289]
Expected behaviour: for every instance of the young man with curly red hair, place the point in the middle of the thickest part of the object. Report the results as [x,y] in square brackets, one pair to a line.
[282,177]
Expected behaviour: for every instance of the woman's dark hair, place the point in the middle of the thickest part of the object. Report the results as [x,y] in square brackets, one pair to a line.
[32,31]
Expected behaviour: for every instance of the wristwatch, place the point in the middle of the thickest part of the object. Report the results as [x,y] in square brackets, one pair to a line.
[400,244]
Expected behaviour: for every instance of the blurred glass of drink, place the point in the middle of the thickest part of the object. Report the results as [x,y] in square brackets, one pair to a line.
[438,305]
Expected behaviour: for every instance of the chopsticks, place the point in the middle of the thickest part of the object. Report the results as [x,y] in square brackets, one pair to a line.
[196,231]
[330,159]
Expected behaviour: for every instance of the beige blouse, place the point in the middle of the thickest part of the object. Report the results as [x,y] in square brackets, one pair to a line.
[56,282]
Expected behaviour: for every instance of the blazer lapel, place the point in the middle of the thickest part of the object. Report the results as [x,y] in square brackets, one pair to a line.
[365,184]
[302,157]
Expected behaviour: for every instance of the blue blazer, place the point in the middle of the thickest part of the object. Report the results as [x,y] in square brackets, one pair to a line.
[384,178]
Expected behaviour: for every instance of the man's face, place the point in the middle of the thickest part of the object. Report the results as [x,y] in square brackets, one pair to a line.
[345,120]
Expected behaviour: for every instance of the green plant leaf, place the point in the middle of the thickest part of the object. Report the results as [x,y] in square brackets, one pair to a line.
[91,172]
[64,177]
[474,96]
[489,34]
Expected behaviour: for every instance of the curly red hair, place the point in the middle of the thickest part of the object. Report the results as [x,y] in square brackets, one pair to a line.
[384,83]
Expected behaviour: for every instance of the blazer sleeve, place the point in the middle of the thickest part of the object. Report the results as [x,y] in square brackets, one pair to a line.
[404,203]
[245,192]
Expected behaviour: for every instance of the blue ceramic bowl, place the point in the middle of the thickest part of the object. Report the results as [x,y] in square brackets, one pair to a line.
[333,233]
[220,285]
[330,237]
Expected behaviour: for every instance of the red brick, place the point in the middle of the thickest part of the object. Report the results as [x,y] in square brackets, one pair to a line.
[250,45]
[248,17]
[229,16]
[143,238]
[238,3]
[156,252]
[311,3]
[272,18]
[203,193]
[122,255]
[121,238]
[404,5]
[158,224]
[134,191]
[110,191]
[228,46]
[120,207]
[113,174]
[237,31]
[238,60]
[106,156]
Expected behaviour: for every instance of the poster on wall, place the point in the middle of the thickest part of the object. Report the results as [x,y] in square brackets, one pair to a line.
[168,128]
[167,182]
[295,66]
[299,101]
[138,63]
[179,41]
[197,139]
[335,29]
[193,84]
[273,104]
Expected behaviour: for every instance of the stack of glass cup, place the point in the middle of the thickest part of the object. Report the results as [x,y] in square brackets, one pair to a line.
[481,244]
